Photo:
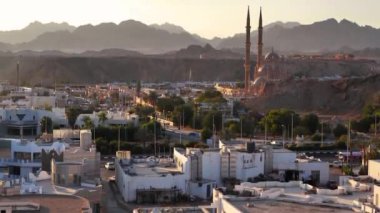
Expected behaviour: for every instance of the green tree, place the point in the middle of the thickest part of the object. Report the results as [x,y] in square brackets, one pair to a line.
[102,116]
[363,125]
[46,124]
[206,134]
[277,118]
[102,146]
[212,119]
[184,113]
[211,96]
[87,122]
[168,104]
[144,112]
[72,114]
[138,88]
[152,98]
[339,130]
[311,122]
[301,130]
[150,128]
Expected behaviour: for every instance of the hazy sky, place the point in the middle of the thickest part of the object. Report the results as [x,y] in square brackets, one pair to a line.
[207,18]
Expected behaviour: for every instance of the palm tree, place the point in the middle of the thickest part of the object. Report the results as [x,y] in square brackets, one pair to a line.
[152,98]
[46,124]
[102,116]
[87,122]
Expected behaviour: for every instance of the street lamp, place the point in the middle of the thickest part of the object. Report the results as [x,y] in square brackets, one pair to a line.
[322,133]
[283,135]
[292,129]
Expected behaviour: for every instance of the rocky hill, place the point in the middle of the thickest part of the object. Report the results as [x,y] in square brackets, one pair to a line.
[344,96]
[290,37]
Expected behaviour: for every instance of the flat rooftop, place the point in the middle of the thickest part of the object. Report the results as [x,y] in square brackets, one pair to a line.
[270,206]
[51,203]
[164,166]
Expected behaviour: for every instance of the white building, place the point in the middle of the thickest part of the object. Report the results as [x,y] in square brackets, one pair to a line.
[374,169]
[20,157]
[285,163]
[26,122]
[119,118]
[142,180]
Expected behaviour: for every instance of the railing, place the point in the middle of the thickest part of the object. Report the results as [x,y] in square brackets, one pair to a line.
[8,161]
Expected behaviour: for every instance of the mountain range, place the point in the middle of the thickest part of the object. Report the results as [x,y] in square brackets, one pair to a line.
[290,37]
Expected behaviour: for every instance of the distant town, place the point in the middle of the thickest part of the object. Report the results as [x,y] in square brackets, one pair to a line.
[288,136]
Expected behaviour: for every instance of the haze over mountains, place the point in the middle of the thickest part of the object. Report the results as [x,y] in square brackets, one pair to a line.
[328,35]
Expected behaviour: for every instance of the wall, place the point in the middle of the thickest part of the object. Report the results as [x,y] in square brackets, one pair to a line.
[146,182]
[376,195]
[200,189]
[227,207]
[283,159]
[374,169]
[249,165]
[42,101]
[211,167]
[323,167]
[182,162]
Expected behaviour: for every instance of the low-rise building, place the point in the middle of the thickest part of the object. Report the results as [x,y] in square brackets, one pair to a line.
[150,180]
[120,118]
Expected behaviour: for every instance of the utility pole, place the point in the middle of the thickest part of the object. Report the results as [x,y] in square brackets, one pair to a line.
[154,137]
[241,127]
[375,125]
[283,136]
[322,133]
[292,129]
[265,131]
[348,141]
[180,133]
[213,130]
[118,139]
[183,118]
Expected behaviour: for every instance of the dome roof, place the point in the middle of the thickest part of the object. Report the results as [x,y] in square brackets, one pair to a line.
[263,68]
[272,56]
[260,81]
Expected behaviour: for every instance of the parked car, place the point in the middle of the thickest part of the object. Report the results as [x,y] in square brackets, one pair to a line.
[337,164]
[110,165]
[332,184]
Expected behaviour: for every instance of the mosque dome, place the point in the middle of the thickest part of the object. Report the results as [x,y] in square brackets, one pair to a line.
[259,82]
[272,57]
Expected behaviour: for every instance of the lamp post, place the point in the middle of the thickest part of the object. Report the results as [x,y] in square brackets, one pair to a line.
[322,133]
[265,131]
[292,129]
[241,127]
[283,136]
[375,125]
[118,139]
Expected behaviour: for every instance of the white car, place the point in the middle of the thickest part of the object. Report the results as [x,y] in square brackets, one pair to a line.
[110,165]
[337,164]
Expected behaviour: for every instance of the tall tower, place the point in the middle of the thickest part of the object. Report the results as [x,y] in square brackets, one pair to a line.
[259,61]
[247,65]
[18,75]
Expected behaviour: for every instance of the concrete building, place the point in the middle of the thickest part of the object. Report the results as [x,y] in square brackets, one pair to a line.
[283,162]
[45,203]
[21,157]
[120,118]
[374,169]
[66,173]
[149,180]
[27,122]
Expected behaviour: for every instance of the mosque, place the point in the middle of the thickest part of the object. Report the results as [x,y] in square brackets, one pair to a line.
[268,69]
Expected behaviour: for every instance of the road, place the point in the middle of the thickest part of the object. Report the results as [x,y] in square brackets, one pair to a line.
[188,135]
[109,204]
